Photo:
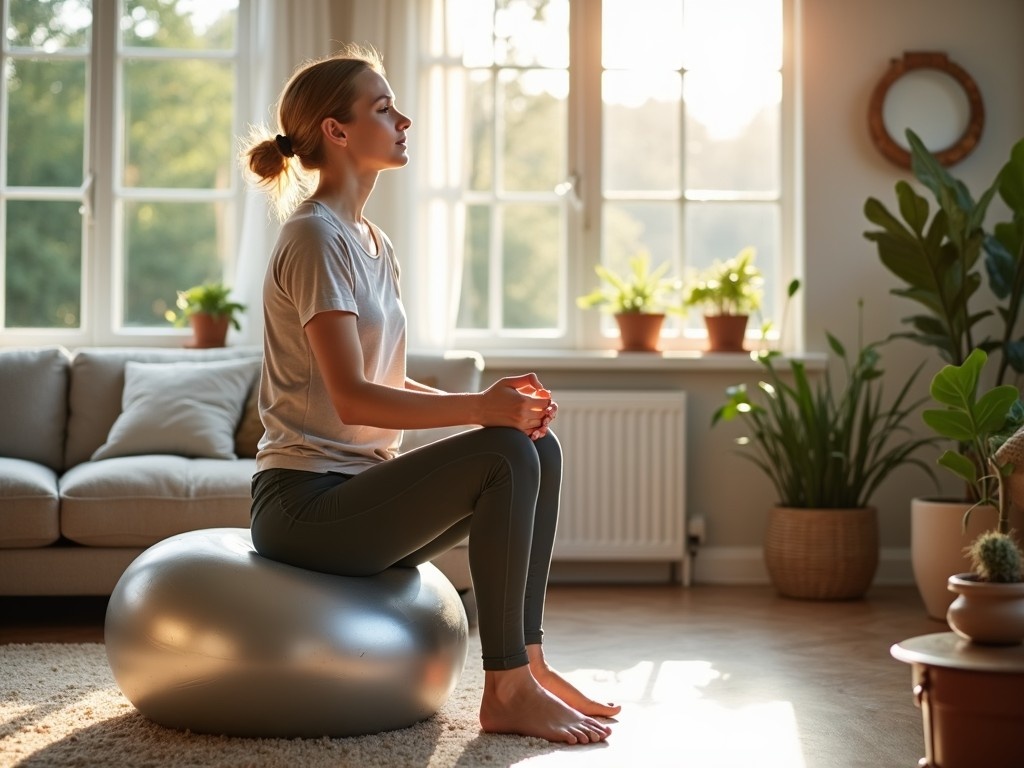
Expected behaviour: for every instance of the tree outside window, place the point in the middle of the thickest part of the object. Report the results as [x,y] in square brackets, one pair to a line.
[129,179]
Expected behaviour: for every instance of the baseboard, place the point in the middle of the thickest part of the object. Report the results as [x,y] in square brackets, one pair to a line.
[576,572]
[745,565]
[714,565]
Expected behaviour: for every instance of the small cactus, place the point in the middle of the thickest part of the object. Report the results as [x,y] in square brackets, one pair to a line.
[996,557]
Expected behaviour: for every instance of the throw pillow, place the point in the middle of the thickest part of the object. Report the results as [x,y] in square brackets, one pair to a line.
[250,428]
[184,408]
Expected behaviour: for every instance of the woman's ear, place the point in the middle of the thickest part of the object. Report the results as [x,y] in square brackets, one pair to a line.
[333,130]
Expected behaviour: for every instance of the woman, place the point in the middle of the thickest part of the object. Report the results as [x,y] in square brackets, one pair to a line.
[331,492]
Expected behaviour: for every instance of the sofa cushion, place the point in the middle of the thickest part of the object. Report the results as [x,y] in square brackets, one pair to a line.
[97,383]
[135,501]
[28,504]
[182,408]
[33,404]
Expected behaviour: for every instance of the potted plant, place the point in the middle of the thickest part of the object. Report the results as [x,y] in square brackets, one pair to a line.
[638,300]
[990,603]
[728,291]
[826,448]
[937,259]
[209,310]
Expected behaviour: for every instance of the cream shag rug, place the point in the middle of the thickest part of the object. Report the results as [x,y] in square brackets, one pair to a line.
[60,706]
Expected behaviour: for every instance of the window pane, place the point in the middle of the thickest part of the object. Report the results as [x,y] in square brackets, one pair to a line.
[728,35]
[533,121]
[180,133]
[49,27]
[43,265]
[531,33]
[733,132]
[474,301]
[188,24]
[629,228]
[641,34]
[46,122]
[641,131]
[168,247]
[480,115]
[533,237]
[718,231]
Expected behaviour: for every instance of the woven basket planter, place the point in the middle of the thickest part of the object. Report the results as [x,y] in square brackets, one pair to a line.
[822,554]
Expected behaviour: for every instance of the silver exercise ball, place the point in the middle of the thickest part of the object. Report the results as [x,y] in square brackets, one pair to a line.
[204,634]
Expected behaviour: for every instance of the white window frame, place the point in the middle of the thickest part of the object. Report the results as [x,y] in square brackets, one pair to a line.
[585,329]
[102,195]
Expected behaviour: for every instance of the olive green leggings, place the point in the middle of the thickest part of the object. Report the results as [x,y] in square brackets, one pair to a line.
[495,485]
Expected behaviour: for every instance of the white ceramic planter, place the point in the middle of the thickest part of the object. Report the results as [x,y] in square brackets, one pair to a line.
[937,542]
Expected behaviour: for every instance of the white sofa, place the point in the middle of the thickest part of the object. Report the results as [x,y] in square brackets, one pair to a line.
[105,451]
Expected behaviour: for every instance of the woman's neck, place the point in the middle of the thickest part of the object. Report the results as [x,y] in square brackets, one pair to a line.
[345,195]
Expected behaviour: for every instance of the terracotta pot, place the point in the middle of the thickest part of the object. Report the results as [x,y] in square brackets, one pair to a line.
[822,554]
[208,330]
[937,543]
[986,612]
[639,331]
[726,333]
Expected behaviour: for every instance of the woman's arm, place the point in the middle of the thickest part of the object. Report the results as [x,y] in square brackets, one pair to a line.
[417,386]
[334,341]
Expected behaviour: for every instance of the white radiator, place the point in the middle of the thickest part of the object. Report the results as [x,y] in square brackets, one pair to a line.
[623,489]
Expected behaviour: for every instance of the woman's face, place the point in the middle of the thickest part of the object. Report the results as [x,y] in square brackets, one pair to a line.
[376,134]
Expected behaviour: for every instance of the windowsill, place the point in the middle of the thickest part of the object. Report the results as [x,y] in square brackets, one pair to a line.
[601,360]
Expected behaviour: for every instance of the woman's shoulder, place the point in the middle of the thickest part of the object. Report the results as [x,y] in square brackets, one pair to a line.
[311,219]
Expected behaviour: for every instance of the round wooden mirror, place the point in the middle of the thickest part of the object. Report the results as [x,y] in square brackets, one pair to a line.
[913,62]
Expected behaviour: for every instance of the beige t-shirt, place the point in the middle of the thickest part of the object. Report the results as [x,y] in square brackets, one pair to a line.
[318,265]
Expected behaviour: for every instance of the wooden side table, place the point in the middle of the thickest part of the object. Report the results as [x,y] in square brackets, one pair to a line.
[971,698]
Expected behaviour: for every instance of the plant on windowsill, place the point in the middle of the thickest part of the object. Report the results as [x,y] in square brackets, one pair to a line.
[989,607]
[639,301]
[826,449]
[209,311]
[937,259]
[728,291]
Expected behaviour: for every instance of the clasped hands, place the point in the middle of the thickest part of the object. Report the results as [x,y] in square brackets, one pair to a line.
[532,409]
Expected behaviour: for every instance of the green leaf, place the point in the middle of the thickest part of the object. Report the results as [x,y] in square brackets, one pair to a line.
[960,465]
[955,385]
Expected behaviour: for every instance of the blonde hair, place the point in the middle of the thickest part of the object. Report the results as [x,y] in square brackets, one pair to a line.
[286,165]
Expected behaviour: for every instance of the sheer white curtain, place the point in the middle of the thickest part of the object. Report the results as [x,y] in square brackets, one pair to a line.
[285,33]
[420,206]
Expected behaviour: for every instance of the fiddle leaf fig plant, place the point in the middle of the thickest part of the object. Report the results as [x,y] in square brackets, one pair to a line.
[937,258]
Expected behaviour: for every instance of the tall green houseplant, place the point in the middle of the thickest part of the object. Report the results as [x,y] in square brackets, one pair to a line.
[821,445]
[938,259]
[826,447]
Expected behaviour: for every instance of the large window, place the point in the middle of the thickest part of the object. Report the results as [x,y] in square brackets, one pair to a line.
[118,183]
[591,130]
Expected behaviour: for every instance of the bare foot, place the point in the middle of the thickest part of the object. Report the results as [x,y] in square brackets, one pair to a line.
[554,683]
[513,702]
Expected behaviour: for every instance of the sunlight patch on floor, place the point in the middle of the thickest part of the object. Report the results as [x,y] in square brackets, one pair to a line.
[670,718]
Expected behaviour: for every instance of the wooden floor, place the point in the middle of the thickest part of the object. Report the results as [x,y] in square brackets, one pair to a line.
[820,669]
